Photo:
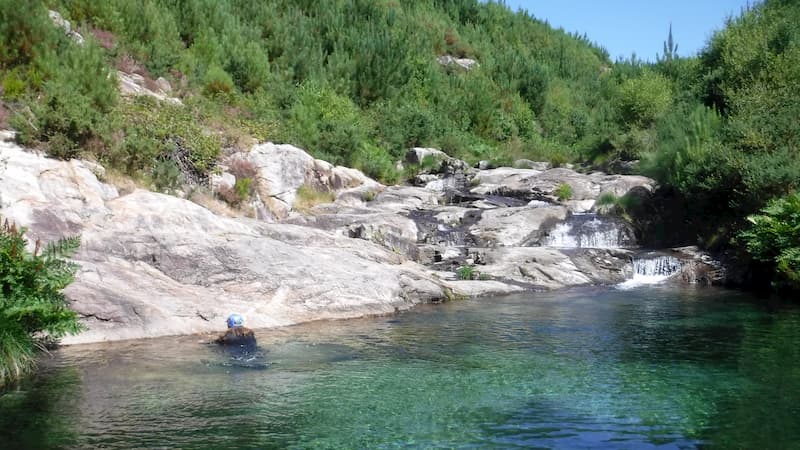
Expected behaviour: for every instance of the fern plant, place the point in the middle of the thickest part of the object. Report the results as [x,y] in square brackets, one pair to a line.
[774,238]
[32,306]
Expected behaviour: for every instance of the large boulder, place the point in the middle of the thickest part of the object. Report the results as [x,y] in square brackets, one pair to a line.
[283,169]
[52,198]
[515,227]
[699,267]
[434,161]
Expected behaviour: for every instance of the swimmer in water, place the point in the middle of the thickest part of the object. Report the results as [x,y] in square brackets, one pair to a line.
[237,334]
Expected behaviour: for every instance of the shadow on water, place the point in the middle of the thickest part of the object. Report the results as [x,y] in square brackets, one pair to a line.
[39,412]
[766,412]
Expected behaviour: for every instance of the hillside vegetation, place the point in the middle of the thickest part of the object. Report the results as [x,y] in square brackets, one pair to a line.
[357,82]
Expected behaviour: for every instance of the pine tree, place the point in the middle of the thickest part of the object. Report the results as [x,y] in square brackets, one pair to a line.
[670,47]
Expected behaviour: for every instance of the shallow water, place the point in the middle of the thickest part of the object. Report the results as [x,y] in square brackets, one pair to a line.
[657,367]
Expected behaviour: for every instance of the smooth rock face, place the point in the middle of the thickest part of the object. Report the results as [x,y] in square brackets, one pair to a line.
[537,266]
[441,162]
[514,227]
[200,267]
[153,264]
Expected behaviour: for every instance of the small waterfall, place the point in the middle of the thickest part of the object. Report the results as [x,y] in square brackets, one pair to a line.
[561,236]
[661,266]
[589,231]
[652,270]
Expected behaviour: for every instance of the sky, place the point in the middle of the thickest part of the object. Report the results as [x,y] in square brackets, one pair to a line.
[627,26]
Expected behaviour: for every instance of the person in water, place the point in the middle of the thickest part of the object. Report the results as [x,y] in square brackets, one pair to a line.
[237,333]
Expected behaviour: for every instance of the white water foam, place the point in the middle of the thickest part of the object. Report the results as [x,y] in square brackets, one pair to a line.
[648,271]
[561,236]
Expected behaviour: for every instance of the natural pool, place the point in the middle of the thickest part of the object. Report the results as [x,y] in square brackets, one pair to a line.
[603,368]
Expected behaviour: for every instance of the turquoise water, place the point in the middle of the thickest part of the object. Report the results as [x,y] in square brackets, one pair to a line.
[601,368]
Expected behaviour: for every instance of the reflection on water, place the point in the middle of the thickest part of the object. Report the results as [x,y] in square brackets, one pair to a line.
[658,367]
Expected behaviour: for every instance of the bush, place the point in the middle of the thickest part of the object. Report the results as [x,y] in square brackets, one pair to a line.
[13,86]
[466,272]
[74,98]
[644,99]
[563,192]
[328,125]
[32,306]
[159,130]
[688,152]
[376,163]
[774,238]
[607,199]
[308,197]
[217,82]
[166,175]
[405,126]
[249,67]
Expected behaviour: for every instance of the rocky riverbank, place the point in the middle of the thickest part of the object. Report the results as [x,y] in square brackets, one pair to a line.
[155,264]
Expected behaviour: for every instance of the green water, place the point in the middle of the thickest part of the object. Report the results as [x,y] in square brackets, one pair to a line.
[599,368]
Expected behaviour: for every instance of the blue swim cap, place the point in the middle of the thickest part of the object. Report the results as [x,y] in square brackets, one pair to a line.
[235,320]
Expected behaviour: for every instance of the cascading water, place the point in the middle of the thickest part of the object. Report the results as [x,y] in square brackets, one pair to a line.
[652,270]
[590,231]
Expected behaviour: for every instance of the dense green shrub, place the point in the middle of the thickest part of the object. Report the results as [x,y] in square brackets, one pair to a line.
[157,131]
[217,82]
[376,163]
[774,238]
[644,99]
[166,175]
[329,125]
[25,33]
[64,89]
[150,33]
[563,192]
[32,306]
[466,272]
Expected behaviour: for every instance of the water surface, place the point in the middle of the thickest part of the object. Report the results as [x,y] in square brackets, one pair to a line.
[655,367]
